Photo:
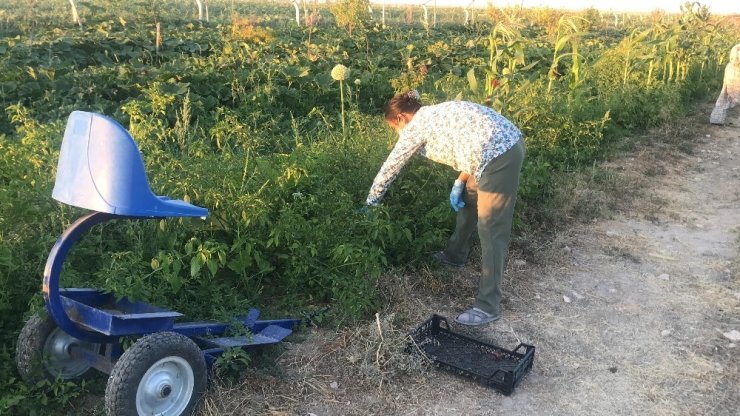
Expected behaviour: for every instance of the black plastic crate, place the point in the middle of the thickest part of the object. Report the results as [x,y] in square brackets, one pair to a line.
[486,363]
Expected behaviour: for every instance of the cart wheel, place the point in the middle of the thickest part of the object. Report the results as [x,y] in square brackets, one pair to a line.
[161,374]
[42,352]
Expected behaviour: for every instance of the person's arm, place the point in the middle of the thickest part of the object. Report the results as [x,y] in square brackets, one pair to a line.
[463,177]
[400,155]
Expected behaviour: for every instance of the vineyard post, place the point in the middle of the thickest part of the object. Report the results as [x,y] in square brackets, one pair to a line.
[434,14]
[426,14]
[158,39]
[468,13]
[297,12]
[75,16]
[157,33]
[200,9]
[382,14]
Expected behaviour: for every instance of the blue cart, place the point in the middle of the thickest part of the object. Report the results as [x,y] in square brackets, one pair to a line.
[165,371]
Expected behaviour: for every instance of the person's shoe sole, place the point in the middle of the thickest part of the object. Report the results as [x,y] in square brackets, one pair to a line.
[440,257]
[484,318]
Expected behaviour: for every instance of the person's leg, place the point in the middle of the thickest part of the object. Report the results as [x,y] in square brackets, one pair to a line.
[497,190]
[719,113]
[458,245]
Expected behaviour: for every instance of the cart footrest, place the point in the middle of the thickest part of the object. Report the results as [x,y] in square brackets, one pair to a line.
[270,335]
[101,312]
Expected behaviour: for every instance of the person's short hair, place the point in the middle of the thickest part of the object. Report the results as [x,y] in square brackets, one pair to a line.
[408,102]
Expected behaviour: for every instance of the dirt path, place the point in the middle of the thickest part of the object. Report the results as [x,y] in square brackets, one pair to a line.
[627,317]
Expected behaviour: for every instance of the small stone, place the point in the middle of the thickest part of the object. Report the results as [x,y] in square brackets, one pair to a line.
[611,233]
[733,335]
[613,369]
[699,226]
[737,295]
[520,263]
[334,385]
[567,249]
[612,290]
[731,345]
[665,332]
[664,276]
[578,295]
[566,299]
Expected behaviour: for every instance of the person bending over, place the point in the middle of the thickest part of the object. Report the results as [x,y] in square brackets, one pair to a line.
[488,150]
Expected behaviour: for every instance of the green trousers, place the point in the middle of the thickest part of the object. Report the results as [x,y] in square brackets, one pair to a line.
[489,206]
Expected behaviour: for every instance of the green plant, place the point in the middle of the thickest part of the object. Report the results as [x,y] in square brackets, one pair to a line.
[229,366]
[350,14]
[567,33]
[341,73]
[244,127]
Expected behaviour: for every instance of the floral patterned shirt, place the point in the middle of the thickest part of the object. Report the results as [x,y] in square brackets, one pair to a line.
[460,134]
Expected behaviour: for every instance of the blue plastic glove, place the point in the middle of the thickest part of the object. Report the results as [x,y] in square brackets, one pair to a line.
[367,211]
[456,199]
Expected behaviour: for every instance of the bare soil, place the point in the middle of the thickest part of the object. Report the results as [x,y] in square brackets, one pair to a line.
[628,313]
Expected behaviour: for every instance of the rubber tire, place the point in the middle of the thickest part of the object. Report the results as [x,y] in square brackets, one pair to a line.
[29,351]
[123,383]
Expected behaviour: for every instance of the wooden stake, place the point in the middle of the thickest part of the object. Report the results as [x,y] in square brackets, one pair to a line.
[200,9]
[158,41]
[75,16]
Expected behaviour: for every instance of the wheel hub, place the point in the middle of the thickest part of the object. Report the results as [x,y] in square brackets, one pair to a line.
[58,360]
[165,391]
[166,388]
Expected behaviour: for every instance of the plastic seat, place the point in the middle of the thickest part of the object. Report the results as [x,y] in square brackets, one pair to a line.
[100,168]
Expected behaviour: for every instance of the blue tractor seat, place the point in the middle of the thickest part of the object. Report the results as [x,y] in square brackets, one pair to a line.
[100,168]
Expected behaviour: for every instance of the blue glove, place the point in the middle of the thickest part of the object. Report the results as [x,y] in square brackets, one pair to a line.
[456,199]
[367,211]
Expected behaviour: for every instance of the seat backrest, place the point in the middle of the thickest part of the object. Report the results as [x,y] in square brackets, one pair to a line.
[100,168]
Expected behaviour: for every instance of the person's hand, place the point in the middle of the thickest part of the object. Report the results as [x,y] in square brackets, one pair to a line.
[456,199]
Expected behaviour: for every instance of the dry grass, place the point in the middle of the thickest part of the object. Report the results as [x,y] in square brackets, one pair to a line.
[627,342]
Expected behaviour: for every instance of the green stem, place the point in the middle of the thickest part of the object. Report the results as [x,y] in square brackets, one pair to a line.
[626,68]
[341,98]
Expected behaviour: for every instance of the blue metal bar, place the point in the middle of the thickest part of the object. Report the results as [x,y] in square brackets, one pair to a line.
[285,323]
[114,351]
[211,355]
[197,329]
[53,271]
[99,362]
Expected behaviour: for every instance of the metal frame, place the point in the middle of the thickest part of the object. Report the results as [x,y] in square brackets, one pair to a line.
[94,316]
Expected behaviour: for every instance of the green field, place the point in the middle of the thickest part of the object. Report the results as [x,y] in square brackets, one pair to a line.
[241,115]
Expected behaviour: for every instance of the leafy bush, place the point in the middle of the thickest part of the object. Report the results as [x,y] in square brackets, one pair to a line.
[251,130]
